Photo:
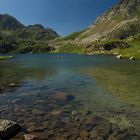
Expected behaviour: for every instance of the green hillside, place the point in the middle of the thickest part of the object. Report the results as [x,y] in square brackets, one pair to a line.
[15,37]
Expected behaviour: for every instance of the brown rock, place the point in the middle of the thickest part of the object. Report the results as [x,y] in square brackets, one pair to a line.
[97,121]
[36,111]
[122,135]
[40,129]
[57,113]
[63,97]
[19,136]
[50,133]
[31,129]
[30,137]
[79,138]
[84,134]
[99,133]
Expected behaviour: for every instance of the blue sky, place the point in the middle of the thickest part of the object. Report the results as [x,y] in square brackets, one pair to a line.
[64,16]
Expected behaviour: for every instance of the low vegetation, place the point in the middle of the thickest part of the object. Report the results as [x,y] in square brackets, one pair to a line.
[33,47]
[71,48]
[16,46]
[5,57]
[132,51]
[17,38]
[73,36]
[107,45]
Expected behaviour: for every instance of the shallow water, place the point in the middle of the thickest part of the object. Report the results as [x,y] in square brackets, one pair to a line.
[103,84]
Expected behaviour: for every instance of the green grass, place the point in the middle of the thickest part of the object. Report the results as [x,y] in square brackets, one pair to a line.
[127,48]
[32,46]
[70,48]
[138,11]
[73,36]
[5,57]
[132,51]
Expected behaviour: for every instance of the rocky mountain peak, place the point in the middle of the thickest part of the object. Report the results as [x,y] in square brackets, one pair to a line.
[125,9]
[8,22]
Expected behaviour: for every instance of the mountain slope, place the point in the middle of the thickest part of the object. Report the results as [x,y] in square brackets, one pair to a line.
[14,36]
[117,17]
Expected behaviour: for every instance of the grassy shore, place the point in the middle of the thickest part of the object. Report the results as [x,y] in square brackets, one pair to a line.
[5,57]
[132,51]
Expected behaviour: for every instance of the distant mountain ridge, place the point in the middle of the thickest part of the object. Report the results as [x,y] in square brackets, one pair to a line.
[11,27]
[18,38]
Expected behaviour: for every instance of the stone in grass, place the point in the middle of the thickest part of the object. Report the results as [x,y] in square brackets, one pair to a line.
[8,129]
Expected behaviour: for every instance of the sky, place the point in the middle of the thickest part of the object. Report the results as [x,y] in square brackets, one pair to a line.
[64,16]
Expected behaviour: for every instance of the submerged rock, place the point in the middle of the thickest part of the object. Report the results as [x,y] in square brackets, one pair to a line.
[36,111]
[84,134]
[97,121]
[8,129]
[63,97]
[30,137]
[9,87]
[121,135]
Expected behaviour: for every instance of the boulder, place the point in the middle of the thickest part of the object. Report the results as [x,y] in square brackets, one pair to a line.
[12,84]
[119,56]
[132,58]
[8,129]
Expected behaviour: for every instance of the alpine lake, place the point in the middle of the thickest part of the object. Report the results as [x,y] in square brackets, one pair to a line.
[67,96]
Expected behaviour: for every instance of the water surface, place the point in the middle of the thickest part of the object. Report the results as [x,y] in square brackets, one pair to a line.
[103,84]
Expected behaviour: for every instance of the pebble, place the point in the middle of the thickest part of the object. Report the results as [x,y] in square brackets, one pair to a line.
[30,137]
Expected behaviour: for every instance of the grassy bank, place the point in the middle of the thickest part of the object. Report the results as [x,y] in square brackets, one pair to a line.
[5,57]
[70,48]
[132,51]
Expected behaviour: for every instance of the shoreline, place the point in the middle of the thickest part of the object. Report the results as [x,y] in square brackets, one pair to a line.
[6,57]
[117,55]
